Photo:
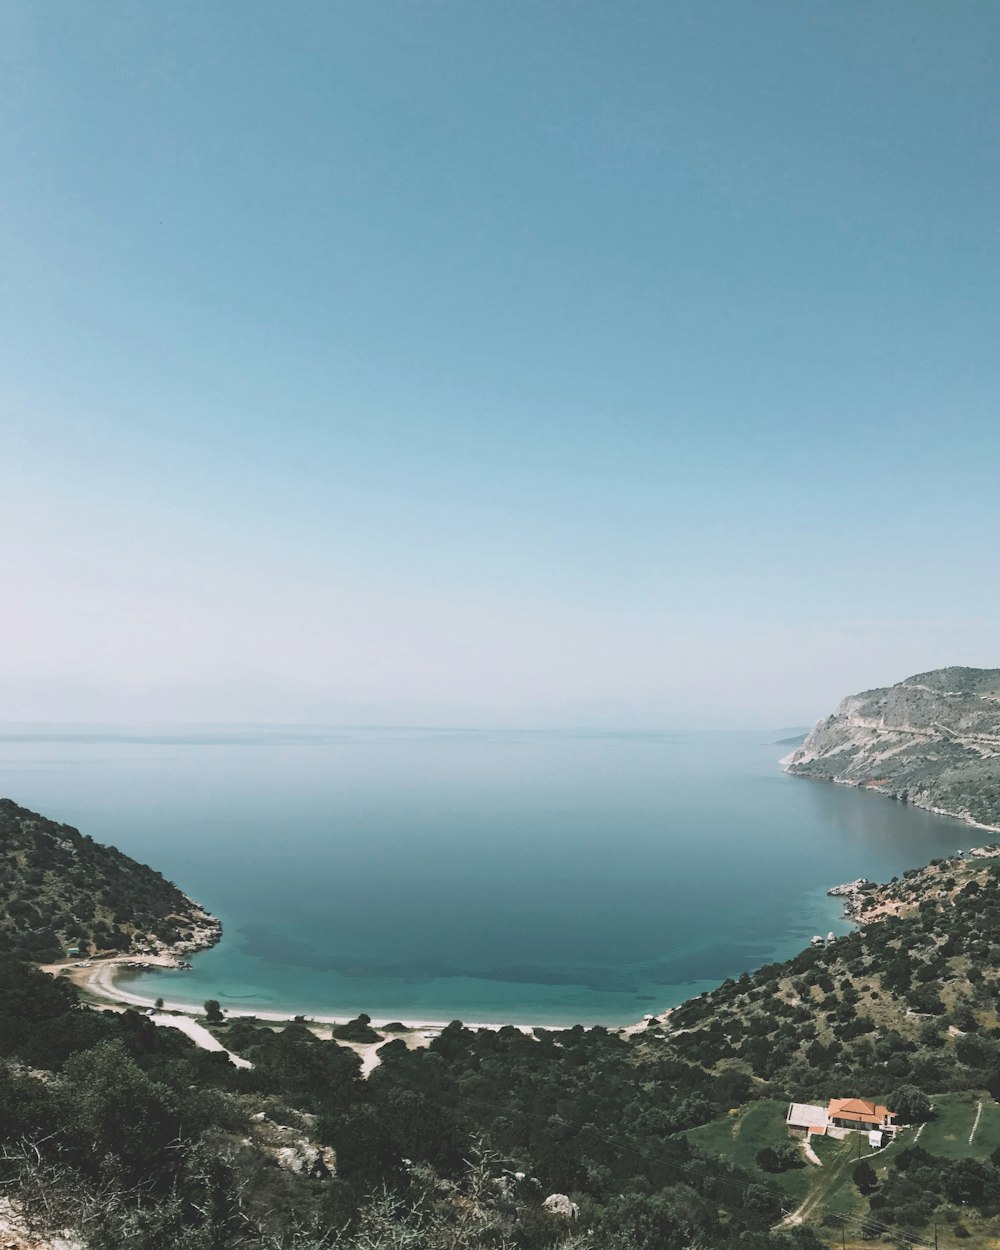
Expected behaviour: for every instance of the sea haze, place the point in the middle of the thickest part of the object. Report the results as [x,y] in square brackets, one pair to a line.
[537,877]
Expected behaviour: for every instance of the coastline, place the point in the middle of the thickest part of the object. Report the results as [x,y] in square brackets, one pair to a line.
[962,817]
[865,902]
[787,766]
[98,982]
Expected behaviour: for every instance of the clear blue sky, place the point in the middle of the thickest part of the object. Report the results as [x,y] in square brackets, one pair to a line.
[526,362]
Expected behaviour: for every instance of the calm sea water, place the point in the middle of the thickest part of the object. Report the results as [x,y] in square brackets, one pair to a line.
[529,877]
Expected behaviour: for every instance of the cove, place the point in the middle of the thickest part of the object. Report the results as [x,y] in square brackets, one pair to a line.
[524,877]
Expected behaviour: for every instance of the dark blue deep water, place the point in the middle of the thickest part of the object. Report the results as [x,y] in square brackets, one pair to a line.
[488,876]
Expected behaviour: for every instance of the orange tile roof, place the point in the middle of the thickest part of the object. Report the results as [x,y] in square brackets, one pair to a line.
[858,1109]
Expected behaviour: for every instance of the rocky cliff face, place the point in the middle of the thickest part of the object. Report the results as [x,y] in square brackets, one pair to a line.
[932,740]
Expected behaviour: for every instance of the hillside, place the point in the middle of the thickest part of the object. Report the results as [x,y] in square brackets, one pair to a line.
[932,740]
[122,1133]
[60,889]
[671,1134]
[917,979]
[904,1010]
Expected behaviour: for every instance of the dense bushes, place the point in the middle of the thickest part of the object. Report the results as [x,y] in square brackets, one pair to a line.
[162,1144]
[59,888]
[908,999]
[146,1141]
[919,1182]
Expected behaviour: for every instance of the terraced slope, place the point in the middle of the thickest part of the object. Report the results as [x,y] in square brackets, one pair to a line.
[932,740]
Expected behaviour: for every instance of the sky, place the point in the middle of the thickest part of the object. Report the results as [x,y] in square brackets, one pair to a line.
[531,363]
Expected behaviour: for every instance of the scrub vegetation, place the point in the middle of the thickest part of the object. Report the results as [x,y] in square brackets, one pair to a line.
[60,889]
[131,1136]
[931,740]
[671,1135]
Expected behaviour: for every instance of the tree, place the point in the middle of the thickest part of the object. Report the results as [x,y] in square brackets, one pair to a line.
[213,1012]
[864,1177]
[966,1181]
[113,1107]
[158,1004]
[780,1158]
[910,1105]
[925,998]
[357,1030]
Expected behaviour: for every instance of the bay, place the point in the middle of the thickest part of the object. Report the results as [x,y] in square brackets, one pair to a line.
[530,877]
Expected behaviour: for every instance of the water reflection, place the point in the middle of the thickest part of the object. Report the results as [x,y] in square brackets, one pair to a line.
[532,876]
[878,823]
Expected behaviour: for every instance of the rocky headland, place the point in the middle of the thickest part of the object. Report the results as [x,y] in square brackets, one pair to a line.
[932,740]
[62,892]
[939,882]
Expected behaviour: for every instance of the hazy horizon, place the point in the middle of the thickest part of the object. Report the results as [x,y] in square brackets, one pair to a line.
[531,365]
[13,729]
[77,708]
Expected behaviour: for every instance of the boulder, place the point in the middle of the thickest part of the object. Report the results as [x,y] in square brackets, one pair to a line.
[559,1204]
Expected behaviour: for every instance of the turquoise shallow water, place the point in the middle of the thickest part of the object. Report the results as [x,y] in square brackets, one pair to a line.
[529,877]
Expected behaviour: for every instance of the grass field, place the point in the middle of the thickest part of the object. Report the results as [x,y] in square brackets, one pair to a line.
[947,1134]
[739,1136]
[829,1190]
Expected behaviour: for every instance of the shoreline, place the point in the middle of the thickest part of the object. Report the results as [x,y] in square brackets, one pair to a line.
[99,983]
[963,818]
[868,902]
[97,980]
[865,902]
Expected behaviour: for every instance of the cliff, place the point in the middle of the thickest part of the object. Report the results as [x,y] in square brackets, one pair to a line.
[59,889]
[932,740]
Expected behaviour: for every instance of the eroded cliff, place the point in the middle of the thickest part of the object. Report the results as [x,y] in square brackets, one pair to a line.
[932,740]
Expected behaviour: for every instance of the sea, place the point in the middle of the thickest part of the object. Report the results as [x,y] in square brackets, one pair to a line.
[544,878]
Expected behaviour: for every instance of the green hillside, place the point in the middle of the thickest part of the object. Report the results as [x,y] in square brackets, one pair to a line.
[60,889]
[932,740]
[670,1135]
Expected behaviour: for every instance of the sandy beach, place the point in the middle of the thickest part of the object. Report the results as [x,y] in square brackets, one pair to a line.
[97,982]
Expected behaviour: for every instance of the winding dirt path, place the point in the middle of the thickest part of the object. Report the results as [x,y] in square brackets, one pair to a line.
[817,1196]
[810,1154]
[199,1035]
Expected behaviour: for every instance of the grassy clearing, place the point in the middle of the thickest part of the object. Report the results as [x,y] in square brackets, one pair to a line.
[829,1191]
[947,1135]
[833,1194]
[741,1134]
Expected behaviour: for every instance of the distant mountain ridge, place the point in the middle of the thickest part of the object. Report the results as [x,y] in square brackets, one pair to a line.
[932,740]
[60,889]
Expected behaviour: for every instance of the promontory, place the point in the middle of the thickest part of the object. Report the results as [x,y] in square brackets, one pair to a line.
[932,740]
[63,893]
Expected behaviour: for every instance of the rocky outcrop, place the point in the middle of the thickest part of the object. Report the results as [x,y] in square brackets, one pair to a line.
[16,1233]
[560,1204]
[855,895]
[292,1149]
[62,892]
[932,740]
